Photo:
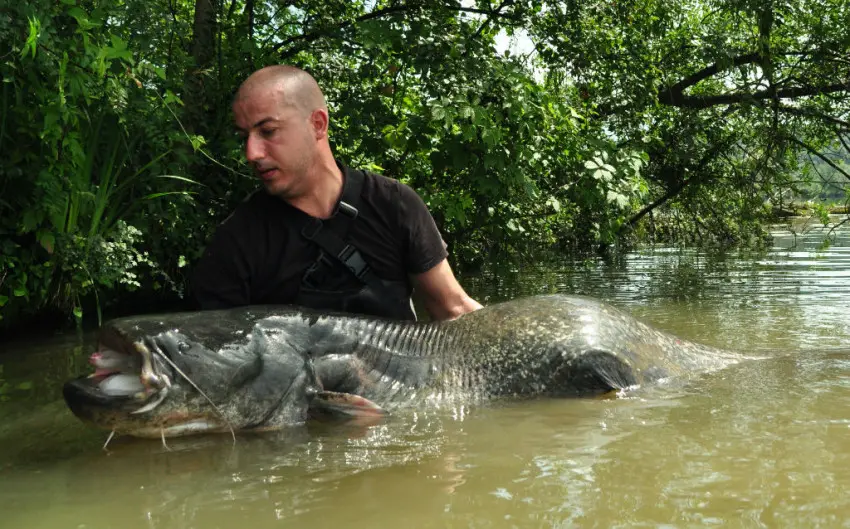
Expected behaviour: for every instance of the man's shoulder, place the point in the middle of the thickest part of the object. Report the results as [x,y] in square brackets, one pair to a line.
[380,181]
[386,188]
[254,208]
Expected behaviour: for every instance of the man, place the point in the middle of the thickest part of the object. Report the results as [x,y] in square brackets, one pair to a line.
[321,234]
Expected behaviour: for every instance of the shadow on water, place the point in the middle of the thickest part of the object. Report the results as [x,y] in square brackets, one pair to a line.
[762,443]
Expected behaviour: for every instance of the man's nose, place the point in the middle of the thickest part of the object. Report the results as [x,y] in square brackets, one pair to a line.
[254,149]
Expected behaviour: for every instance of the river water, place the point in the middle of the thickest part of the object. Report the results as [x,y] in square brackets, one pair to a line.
[762,444]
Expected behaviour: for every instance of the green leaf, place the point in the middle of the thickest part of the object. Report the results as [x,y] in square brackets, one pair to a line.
[79,15]
[181,178]
[47,241]
[19,292]
[492,161]
[617,198]
[3,300]
[117,42]
[479,117]
[166,193]
[601,174]
[197,141]
[32,38]
[25,386]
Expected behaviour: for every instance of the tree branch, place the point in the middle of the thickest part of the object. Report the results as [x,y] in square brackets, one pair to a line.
[388,12]
[487,22]
[231,9]
[697,102]
[823,179]
[812,114]
[817,153]
[676,90]
[321,32]
[707,157]
[249,9]
[844,143]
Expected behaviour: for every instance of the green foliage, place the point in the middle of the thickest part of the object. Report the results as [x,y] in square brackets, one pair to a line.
[84,154]
[722,96]
[679,121]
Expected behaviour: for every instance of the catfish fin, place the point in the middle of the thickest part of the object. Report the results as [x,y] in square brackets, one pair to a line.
[344,405]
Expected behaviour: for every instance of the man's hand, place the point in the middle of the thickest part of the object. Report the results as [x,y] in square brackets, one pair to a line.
[441,293]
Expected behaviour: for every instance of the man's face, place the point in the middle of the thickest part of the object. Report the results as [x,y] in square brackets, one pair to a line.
[279,140]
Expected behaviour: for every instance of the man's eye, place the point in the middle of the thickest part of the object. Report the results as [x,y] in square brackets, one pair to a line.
[267,132]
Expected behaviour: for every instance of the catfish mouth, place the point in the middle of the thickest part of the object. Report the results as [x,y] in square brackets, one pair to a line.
[127,376]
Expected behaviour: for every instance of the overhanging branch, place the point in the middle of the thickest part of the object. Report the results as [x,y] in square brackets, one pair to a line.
[697,102]
[388,12]
[813,114]
[817,153]
[707,157]
[843,142]
[324,31]
[677,89]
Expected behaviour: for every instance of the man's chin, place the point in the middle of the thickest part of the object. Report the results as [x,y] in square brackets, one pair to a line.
[276,189]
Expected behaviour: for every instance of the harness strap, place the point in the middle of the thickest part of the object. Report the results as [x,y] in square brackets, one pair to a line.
[330,235]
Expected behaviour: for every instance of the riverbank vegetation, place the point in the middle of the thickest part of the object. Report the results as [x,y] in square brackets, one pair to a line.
[524,124]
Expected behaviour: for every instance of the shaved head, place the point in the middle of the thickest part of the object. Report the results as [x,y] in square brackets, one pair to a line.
[292,86]
[282,117]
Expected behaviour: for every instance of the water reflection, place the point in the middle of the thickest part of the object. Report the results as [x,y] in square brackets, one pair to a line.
[762,443]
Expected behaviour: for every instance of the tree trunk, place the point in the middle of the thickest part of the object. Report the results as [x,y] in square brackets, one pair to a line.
[197,98]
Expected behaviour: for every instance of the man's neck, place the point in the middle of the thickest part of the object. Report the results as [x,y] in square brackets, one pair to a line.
[327,188]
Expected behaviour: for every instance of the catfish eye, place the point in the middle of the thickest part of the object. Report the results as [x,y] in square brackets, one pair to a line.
[183,347]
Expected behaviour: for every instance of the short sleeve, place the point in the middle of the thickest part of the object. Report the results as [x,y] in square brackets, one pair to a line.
[424,243]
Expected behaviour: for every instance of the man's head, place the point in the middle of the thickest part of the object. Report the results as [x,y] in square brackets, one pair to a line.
[281,113]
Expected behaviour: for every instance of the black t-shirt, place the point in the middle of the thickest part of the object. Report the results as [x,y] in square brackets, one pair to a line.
[258,255]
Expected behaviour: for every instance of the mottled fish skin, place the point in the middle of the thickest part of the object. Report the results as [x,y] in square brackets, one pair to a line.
[261,367]
[545,345]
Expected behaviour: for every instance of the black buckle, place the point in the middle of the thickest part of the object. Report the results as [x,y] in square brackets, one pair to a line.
[347,209]
[353,261]
[312,227]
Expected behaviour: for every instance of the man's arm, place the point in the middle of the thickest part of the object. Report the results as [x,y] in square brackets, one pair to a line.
[441,293]
[426,260]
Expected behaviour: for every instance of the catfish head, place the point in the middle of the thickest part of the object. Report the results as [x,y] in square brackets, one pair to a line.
[195,372]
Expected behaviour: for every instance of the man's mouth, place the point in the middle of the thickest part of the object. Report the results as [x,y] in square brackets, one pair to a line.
[266,173]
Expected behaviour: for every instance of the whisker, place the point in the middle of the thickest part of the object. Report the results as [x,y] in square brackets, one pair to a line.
[111,435]
[189,380]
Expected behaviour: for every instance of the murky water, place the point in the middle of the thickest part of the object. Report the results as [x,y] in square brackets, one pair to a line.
[761,444]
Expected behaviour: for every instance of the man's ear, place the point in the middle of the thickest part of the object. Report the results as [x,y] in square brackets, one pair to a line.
[319,121]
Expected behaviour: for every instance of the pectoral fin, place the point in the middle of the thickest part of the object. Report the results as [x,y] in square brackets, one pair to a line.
[344,405]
